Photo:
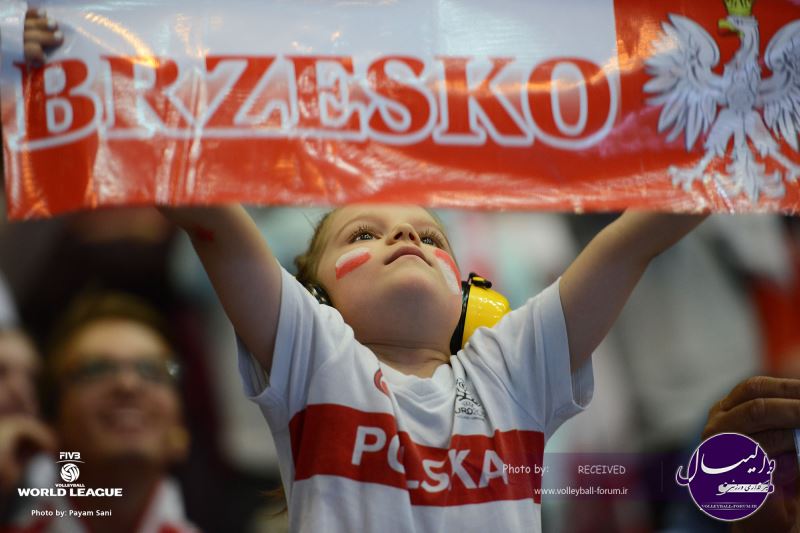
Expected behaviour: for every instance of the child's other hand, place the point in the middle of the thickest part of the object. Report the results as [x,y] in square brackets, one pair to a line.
[41,32]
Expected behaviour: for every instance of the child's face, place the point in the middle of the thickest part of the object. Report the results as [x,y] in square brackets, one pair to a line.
[390,271]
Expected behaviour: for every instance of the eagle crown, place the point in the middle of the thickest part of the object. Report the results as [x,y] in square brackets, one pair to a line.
[739,8]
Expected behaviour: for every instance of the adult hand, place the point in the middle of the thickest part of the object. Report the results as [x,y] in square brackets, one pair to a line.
[767,410]
[40,32]
[20,438]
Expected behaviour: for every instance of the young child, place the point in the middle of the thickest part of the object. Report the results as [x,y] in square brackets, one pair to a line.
[379,427]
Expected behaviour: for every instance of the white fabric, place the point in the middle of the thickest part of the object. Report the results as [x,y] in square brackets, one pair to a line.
[427,455]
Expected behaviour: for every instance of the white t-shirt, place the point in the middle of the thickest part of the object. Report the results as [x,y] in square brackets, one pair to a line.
[365,448]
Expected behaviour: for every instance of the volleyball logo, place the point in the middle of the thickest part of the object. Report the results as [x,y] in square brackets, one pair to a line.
[70,472]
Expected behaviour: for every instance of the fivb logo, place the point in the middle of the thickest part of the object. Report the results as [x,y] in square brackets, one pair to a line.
[69,473]
[69,470]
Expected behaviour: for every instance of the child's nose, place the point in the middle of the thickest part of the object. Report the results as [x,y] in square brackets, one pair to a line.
[404,232]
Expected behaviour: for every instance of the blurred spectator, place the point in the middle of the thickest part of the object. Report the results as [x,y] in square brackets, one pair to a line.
[767,410]
[21,432]
[48,262]
[116,402]
[19,369]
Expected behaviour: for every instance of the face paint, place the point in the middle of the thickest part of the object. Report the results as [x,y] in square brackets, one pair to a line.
[449,270]
[351,261]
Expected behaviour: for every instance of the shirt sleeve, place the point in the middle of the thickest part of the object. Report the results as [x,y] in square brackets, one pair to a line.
[529,352]
[309,335]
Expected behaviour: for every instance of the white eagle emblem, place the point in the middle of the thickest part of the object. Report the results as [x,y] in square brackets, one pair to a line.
[739,105]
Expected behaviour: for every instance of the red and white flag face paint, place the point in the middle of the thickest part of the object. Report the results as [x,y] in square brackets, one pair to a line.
[449,270]
[549,104]
[351,260]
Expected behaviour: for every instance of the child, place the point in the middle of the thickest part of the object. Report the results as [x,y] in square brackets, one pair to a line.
[379,427]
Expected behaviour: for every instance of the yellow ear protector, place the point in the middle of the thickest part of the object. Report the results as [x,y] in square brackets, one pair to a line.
[480,306]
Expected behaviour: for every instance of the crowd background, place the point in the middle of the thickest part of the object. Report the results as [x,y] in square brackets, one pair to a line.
[722,305]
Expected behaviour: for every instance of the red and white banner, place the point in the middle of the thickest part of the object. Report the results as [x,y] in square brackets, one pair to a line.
[520,104]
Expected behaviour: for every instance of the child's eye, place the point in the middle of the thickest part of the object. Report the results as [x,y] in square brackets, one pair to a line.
[431,238]
[362,233]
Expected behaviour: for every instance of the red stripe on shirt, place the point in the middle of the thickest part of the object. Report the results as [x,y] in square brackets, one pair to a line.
[335,440]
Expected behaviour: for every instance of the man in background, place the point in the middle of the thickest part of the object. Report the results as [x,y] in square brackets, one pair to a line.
[115,401]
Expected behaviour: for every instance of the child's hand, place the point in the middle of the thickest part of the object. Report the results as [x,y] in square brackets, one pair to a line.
[41,32]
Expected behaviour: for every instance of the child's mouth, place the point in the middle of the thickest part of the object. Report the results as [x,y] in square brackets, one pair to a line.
[407,251]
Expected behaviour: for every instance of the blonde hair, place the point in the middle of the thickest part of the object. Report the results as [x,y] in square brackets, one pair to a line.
[307,263]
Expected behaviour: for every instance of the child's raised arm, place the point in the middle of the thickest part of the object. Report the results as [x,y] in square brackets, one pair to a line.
[597,284]
[242,269]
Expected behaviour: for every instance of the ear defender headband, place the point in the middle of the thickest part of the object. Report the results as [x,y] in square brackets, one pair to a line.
[480,307]
[319,293]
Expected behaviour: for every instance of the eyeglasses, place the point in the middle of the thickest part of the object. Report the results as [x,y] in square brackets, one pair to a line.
[155,370]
